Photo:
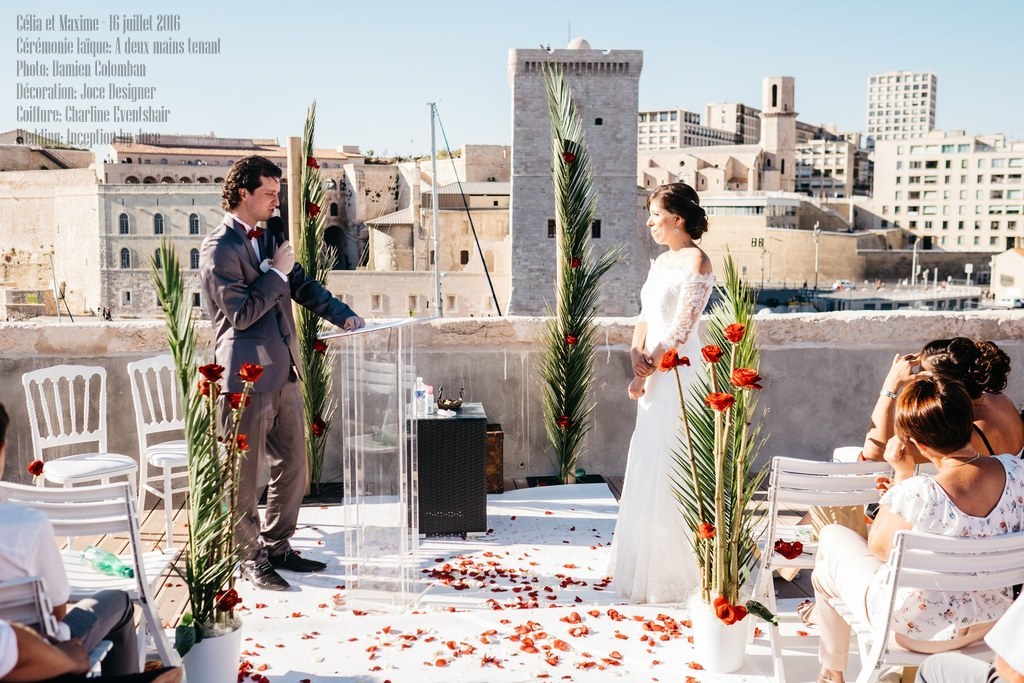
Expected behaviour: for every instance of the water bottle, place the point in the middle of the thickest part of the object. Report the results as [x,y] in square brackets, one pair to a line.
[106,562]
[431,403]
[420,401]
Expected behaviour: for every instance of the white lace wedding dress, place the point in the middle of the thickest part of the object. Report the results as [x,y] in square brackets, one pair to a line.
[651,557]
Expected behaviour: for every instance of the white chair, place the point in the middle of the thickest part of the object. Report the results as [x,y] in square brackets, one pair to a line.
[86,511]
[803,483]
[67,408]
[24,601]
[930,562]
[158,410]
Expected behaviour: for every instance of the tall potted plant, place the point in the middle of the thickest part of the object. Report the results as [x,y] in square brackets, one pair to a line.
[209,636]
[316,258]
[714,478]
[567,361]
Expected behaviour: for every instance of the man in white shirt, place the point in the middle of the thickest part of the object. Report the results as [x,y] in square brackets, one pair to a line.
[28,548]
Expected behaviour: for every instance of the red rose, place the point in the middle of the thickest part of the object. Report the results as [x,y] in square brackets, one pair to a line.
[204,386]
[575,262]
[250,372]
[235,401]
[788,550]
[671,359]
[212,372]
[726,612]
[312,209]
[706,530]
[320,346]
[735,332]
[568,157]
[228,600]
[242,442]
[318,427]
[570,339]
[312,163]
[712,353]
[35,468]
[745,378]
[720,401]
[564,421]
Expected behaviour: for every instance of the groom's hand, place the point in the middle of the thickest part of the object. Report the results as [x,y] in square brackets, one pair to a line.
[353,323]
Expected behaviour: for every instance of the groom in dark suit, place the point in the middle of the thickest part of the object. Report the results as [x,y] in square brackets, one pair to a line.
[249,281]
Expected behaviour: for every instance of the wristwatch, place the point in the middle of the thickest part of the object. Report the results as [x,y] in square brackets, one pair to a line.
[888,394]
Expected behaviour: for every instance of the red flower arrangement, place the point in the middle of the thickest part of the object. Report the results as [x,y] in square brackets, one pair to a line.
[318,426]
[720,401]
[745,378]
[312,162]
[575,262]
[564,421]
[706,530]
[671,359]
[242,442]
[728,612]
[568,157]
[312,209]
[712,353]
[237,400]
[250,372]
[228,600]
[735,332]
[35,468]
[571,339]
[320,346]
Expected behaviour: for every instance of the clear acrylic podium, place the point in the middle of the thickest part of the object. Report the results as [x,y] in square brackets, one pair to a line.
[379,463]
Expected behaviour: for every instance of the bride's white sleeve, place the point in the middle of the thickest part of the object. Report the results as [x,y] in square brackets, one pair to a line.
[693,296]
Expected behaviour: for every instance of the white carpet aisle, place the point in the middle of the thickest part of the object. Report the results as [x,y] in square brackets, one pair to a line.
[526,602]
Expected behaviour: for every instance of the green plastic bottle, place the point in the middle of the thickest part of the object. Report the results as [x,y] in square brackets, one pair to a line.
[106,562]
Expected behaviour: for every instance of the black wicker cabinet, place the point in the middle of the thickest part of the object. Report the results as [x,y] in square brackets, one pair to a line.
[453,472]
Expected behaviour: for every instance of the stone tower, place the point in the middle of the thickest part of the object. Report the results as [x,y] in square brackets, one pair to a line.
[605,86]
[778,133]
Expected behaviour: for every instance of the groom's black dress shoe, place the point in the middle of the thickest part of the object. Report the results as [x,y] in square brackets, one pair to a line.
[263,575]
[294,562]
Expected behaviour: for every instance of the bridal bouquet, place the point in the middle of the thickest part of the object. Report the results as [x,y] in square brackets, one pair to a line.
[722,436]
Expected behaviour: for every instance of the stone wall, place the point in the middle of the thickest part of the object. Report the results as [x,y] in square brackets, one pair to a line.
[604,86]
[821,375]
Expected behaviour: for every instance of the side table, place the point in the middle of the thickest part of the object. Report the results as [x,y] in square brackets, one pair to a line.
[452,455]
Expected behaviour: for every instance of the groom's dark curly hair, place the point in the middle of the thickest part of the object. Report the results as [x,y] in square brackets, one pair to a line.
[246,174]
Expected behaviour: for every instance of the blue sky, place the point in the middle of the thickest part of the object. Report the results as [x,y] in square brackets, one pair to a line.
[373,66]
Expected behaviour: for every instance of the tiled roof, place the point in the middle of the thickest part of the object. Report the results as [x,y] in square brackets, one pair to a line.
[400,217]
[479,188]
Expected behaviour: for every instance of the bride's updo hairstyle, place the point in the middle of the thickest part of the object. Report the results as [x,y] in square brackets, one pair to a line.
[935,412]
[682,200]
[979,365]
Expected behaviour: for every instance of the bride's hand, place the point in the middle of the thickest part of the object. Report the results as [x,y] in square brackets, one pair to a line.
[636,387]
[642,364]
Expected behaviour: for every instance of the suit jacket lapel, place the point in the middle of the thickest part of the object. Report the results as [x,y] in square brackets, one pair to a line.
[244,242]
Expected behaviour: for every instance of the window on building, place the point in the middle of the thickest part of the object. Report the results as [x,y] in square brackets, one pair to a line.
[193,224]
[193,259]
[376,300]
[414,302]
[595,229]
[431,257]
[126,298]
[196,300]
[156,258]
[158,224]
[122,224]
[334,208]
[551,228]
[599,121]
[126,258]
[464,257]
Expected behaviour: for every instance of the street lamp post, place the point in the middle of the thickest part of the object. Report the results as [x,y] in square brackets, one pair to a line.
[913,263]
[817,232]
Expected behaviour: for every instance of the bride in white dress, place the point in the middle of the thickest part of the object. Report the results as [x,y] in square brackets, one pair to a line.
[652,561]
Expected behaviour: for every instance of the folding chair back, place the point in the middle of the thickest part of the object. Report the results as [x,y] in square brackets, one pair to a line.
[804,483]
[67,409]
[95,511]
[158,410]
[931,562]
[24,601]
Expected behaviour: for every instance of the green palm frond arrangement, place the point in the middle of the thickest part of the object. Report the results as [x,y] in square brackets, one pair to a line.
[316,258]
[212,557]
[712,480]
[567,362]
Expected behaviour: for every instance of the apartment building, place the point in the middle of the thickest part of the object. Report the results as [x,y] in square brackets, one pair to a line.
[678,128]
[959,192]
[739,119]
[901,105]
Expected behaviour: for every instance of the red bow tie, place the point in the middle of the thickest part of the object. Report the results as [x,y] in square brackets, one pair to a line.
[255,232]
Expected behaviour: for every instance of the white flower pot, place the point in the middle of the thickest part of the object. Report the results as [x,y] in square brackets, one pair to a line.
[214,660]
[721,647]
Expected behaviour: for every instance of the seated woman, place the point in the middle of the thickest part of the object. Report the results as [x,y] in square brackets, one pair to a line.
[970,497]
[981,367]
